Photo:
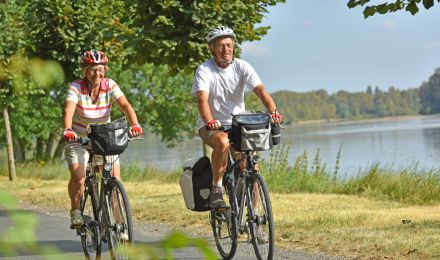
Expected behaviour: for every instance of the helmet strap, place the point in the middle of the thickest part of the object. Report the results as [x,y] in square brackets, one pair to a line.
[222,61]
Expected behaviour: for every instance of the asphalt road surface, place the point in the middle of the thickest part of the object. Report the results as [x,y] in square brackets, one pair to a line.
[53,230]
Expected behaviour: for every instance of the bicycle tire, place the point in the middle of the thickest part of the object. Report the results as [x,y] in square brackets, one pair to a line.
[90,234]
[225,238]
[120,225]
[260,219]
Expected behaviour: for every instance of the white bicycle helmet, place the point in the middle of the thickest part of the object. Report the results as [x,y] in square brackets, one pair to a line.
[220,31]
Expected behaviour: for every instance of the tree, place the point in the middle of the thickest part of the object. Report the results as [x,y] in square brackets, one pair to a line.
[411,6]
[173,32]
[169,34]
[11,40]
[430,94]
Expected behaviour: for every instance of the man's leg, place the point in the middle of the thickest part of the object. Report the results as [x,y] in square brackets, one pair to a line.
[219,142]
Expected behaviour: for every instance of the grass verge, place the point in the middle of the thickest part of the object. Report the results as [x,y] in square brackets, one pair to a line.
[343,225]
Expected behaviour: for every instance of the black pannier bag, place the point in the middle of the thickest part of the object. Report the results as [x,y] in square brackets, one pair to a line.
[251,131]
[110,138]
[196,182]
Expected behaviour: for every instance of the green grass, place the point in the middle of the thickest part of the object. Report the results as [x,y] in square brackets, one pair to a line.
[306,175]
[410,185]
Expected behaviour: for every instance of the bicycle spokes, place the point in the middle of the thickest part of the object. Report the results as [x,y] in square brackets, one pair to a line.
[119,226]
[261,220]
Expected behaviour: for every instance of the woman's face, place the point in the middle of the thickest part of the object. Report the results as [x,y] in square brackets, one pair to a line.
[95,74]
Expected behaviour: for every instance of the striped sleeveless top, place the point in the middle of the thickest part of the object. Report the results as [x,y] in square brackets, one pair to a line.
[87,111]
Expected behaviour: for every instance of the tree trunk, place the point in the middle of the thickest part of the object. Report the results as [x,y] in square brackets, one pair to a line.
[50,146]
[19,150]
[39,149]
[59,150]
[9,145]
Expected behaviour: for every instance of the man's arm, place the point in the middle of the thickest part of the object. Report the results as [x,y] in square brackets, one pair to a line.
[265,98]
[202,103]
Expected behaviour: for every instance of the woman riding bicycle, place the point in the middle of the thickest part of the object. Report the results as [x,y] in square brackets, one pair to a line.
[89,101]
[219,85]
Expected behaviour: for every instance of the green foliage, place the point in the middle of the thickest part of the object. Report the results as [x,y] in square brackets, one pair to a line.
[411,6]
[61,30]
[162,101]
[409,185]
[319,105]
[430,94]
[164,250]
[173,32]
[303,176]
[169,34]
[134,172]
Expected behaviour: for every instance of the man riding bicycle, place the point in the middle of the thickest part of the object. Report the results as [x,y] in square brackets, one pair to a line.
[89,101]
[219,84]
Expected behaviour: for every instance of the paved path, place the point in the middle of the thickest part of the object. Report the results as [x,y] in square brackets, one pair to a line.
[53,229]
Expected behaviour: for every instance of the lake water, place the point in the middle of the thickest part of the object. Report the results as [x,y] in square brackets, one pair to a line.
[396,143]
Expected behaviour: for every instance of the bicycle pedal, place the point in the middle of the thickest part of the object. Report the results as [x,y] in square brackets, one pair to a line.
[77,226]
[222,209]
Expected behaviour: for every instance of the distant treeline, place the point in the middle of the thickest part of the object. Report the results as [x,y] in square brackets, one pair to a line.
[374,102]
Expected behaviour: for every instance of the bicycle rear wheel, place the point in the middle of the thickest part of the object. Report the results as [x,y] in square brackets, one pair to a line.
[260,220]
[224,227]
[120,226]
[90,233]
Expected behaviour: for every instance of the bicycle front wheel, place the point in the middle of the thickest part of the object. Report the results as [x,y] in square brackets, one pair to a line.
[120,226]
[260,220]
[90,232]
[224,227]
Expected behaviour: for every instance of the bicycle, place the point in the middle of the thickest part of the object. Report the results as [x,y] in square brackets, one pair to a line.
[107,218]
[248,209]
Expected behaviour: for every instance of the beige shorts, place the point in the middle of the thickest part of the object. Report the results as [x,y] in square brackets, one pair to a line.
[206,139]
[76,154]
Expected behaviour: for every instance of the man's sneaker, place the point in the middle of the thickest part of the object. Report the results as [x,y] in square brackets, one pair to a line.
[216,198]
[76,219]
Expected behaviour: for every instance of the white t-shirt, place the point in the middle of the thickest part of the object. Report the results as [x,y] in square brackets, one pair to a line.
[225,88]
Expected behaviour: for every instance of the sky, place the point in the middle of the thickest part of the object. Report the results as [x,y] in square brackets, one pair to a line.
[322,44]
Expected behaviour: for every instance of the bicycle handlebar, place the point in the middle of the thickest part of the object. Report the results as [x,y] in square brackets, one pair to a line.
[86,140]
[223,128]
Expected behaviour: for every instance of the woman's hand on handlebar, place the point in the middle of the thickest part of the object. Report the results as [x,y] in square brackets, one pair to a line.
[136,130]
[69,135]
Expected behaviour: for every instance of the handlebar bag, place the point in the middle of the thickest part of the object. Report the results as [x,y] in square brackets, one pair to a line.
[110,138]
[251,131]
[196,182]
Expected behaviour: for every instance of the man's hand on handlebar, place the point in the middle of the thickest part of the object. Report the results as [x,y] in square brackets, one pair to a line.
[213,124]
[277,118]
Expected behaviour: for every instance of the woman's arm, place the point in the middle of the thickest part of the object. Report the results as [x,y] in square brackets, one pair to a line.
[127,109]
[69,110]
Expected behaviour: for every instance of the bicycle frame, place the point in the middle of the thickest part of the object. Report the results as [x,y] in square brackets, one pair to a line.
[237,201]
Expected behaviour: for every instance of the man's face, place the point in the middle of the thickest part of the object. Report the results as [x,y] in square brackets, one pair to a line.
[224,48]
[95,74]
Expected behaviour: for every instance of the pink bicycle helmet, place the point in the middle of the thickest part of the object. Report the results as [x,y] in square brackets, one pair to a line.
[94,57]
